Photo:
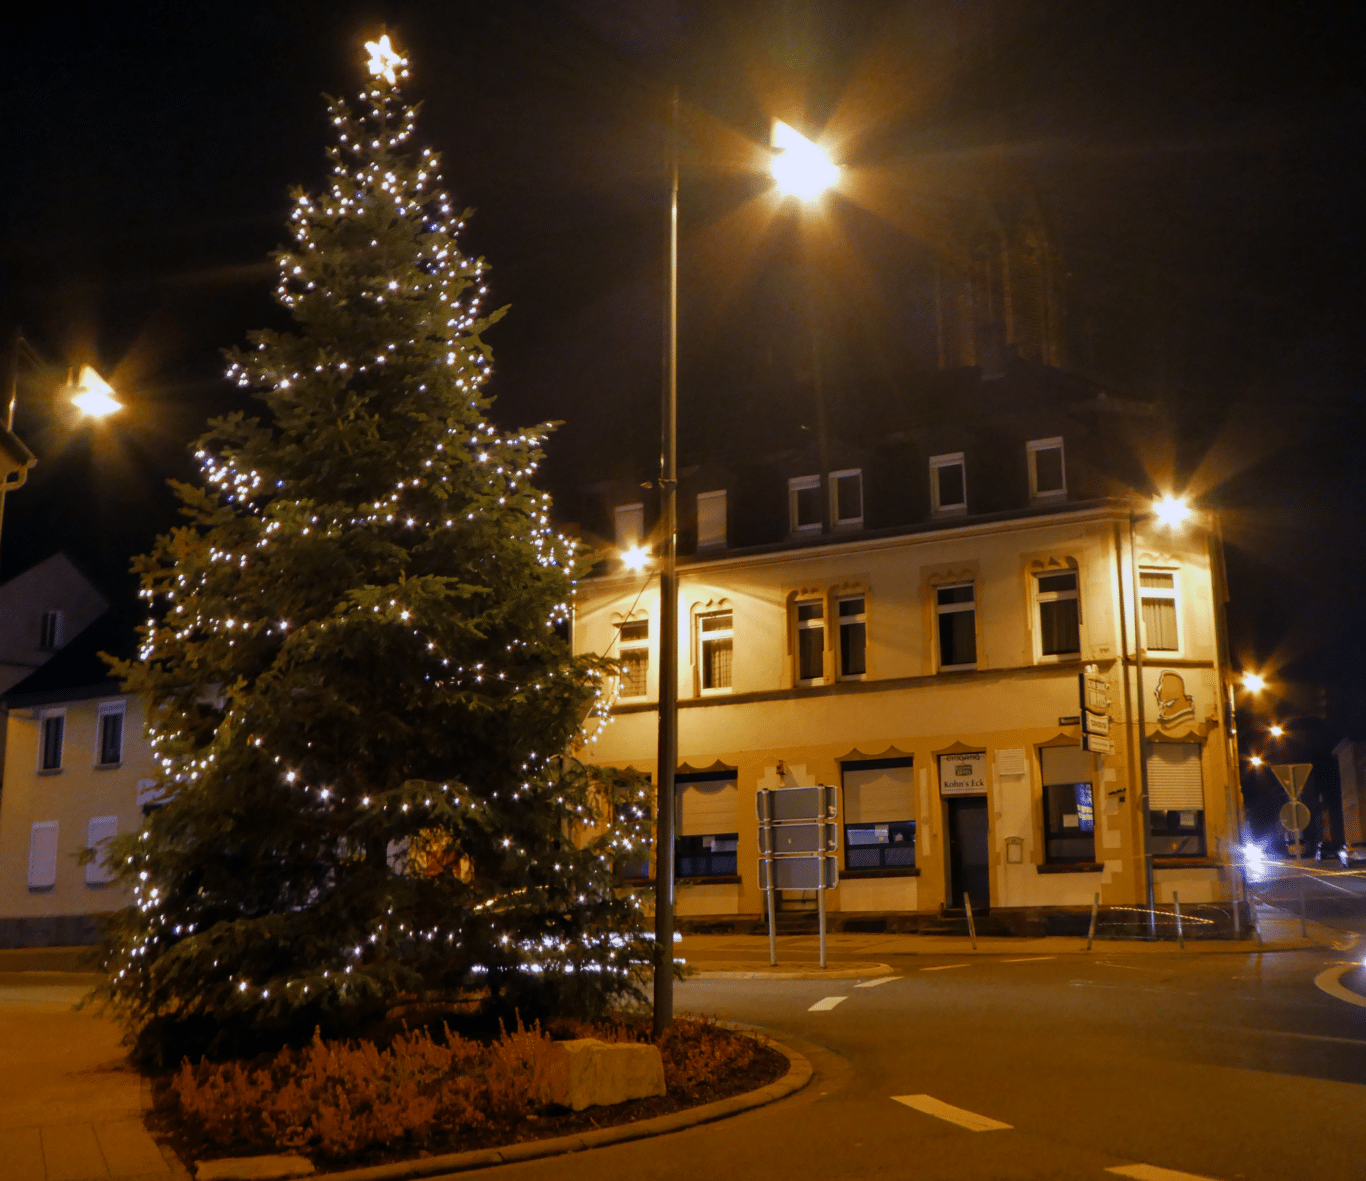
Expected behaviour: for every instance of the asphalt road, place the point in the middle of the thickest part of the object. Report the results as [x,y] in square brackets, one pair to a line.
[1332,895]
[1219,1066]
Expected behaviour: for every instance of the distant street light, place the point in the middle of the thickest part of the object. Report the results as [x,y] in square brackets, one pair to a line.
[1276,731]
[1254,682]
[1255,760]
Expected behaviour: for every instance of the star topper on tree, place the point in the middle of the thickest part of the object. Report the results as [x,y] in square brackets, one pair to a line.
[360,693]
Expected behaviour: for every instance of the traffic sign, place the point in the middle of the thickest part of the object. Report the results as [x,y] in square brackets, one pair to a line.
[798,873]
[1293,777]
[785,805]
[1294,816]
[787,839]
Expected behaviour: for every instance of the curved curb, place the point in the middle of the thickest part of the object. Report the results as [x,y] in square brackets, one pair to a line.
[765,972]
[1330,981]
[797,1076]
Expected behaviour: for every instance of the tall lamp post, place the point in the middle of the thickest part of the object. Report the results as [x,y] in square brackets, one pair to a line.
[800,169]
[89,392]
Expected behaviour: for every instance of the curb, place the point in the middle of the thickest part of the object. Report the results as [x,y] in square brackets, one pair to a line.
[797,1076]
[766,972]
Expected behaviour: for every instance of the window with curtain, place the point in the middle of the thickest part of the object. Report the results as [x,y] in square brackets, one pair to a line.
[879,814]
[1158,593]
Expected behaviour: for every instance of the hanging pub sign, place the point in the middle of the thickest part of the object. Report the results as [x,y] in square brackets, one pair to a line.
[963,774]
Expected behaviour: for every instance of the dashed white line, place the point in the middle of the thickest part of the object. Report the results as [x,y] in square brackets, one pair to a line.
[826,1003]
[954,1115]
[1153,1173]
[879,980]
[943,967]
[1029,959]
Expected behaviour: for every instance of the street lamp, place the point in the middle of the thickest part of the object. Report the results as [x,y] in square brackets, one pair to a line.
[803,170]
[1254,682]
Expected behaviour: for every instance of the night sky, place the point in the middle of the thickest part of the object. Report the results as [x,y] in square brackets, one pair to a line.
[1200,165]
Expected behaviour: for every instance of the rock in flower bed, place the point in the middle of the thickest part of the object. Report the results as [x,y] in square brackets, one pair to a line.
[356,1103]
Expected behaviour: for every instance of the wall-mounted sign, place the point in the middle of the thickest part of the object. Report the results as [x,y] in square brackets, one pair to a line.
[963,774]
[1098,744]
[1173,702]
[1094,692]
[1096,723]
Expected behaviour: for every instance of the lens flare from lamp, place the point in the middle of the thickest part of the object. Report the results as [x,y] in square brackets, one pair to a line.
[1255,760]
[636,558]
[1172,511]
[93,395]
[1276,731]
[800,168]
[1254,682]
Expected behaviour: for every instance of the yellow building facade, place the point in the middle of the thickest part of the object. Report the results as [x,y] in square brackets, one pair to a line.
[932,673]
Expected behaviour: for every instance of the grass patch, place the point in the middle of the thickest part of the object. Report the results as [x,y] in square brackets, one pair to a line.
[431,1091]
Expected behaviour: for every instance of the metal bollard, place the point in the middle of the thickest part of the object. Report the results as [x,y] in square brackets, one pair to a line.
[1180,935]
[1095,909]
[972,927]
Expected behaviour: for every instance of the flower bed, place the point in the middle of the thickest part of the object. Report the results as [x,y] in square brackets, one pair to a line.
[355,1103]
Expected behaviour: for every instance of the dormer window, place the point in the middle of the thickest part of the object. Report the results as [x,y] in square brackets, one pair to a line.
[804,504]
[1047,474]
[846,498]
[948,483]
[711,519]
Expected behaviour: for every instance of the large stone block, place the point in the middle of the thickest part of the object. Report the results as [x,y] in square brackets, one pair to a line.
[592,1073]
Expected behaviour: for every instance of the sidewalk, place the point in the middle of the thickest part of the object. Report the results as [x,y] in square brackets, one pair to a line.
[70,1106]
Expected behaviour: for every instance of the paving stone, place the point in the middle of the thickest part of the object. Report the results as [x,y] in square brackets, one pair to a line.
[71,1153]
[22,1151]
[129,1150]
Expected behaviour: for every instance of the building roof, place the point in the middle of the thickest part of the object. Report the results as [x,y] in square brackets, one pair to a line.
[77,673]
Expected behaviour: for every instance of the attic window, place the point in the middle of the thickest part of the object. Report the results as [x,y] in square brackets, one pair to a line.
[948,483]
[1047,474]
[50,631]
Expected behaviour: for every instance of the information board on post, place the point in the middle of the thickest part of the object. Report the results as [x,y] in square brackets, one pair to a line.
[797,837]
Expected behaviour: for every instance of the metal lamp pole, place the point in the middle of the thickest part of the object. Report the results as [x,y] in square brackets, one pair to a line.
[1142,735]
[668,620]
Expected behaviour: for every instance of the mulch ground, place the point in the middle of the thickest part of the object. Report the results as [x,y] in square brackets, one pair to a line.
[768,1066]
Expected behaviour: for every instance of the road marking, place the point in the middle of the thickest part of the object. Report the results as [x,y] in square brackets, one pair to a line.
[826,1003]
[879,980]
[1029,959]
[1311,1037]
[954,1115]
[943,967]
[1330,981]
[1153,1173]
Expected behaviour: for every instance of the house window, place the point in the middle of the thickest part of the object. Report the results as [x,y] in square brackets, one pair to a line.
[879,814]
[853,620]
[715,650]
[1158,591]
[846,498]
[110,735]
[50,631]
[50,749]
[711,519]
[1047,476]
[100,830]
[629,522]
[956,607]
[1059,614]
[804,504]
[42,855]
[1176,800]
[707,838]
[635,657]
[1069,815]
[948,483]
[810,641]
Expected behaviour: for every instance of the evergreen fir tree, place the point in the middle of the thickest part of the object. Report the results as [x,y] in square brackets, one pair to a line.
[359,691]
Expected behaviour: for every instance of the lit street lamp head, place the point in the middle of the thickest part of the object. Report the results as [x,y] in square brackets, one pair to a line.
[800,168]
[1172,511]
[636,558]
[1254,682]
[1255,760]
[93,395]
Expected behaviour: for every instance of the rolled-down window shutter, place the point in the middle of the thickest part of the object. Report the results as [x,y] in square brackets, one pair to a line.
[1174,780]
[1067,764]
[878,795]
[101,828]
[42,855]
[708,807]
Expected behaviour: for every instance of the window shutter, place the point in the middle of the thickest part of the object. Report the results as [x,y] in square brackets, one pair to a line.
[879,795]
[1066,764]
[42,856]
[101,828]
[1174,779]
[708,807]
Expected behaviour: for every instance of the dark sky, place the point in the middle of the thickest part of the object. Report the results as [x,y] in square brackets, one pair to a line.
[1200,165]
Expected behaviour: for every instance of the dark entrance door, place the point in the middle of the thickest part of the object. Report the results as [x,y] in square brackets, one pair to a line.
[968,850]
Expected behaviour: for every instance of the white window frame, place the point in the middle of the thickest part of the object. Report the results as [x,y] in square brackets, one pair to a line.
[50,630]
[1042,596]
[795,485]
[859,618]
[801,625]
[105,710]
[43,719]
[98,871]
[1033,447]
[1174,594]
[621,514]
[942,609]
[938,462]
[712,542]
[634,645]
[835,519]
[702,638]
[43,875]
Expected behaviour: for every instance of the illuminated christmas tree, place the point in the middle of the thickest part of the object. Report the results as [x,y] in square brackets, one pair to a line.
[360,691]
